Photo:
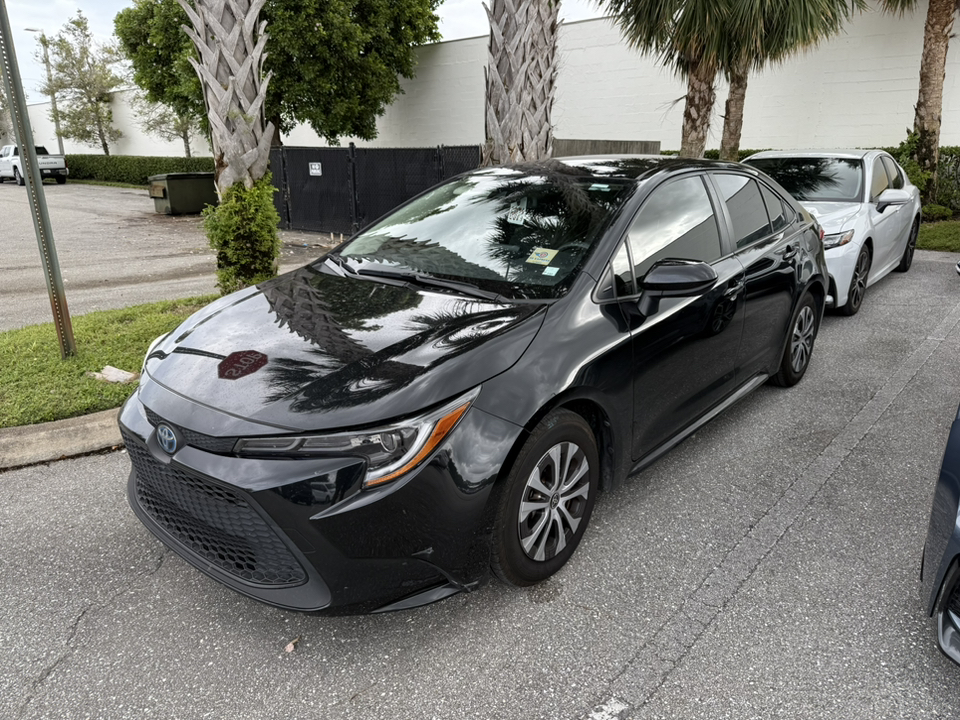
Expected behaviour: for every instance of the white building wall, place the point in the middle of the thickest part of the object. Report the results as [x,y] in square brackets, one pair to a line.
[858,89]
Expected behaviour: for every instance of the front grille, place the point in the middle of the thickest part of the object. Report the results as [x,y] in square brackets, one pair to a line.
[220,445]
[216,523]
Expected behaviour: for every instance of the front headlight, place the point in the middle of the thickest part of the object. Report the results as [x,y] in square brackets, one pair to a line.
[837,239]
[390,451]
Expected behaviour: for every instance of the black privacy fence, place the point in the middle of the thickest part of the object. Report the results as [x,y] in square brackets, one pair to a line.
[342,189]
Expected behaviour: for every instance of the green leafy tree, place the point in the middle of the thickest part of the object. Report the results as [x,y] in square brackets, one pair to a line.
[937,31]
[83,75]
[768,31]
[335,64]
[164,122]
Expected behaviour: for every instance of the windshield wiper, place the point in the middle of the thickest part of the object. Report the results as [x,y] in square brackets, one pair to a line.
[431,281]
[342,267]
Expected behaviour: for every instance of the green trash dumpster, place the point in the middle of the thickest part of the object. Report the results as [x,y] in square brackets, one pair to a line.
[182,193]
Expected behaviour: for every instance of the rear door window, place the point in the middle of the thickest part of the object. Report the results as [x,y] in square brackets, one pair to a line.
[746,207]
[780,213]
[894,175]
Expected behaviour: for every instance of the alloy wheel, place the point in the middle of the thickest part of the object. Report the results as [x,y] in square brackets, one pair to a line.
[554,500]
[801,344]
[859,285]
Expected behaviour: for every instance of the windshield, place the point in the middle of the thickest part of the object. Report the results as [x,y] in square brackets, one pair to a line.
[519,232]
[816,179]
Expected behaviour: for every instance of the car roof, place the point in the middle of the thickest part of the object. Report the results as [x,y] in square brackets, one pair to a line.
[853,154]
[627,167]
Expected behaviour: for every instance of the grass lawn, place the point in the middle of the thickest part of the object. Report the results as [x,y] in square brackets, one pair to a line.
[36,385]
[940,236]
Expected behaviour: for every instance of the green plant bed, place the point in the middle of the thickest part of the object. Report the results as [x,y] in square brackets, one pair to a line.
[940,236]
[37,386]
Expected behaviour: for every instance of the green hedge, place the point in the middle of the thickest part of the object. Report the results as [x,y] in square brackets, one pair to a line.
[132,169]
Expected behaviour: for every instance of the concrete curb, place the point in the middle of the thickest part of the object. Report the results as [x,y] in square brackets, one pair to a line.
[32,444]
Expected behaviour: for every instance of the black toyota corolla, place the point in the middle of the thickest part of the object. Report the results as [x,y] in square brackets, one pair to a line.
[447,392]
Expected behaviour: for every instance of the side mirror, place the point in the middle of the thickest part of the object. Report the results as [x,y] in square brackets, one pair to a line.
[892,196]
[674,278]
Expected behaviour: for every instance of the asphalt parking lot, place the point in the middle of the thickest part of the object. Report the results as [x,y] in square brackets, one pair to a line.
[114,251]
[765,568]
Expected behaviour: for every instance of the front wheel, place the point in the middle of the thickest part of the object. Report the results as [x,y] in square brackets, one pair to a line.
[907,260]
[17,176]
[803,332]
[547,500]
[858,283]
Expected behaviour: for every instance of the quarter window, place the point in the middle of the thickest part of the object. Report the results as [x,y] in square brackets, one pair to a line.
[676,221]
[777,210]
[746,208]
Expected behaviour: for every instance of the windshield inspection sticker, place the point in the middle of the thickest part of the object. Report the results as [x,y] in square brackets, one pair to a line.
[541,256]
[550,271]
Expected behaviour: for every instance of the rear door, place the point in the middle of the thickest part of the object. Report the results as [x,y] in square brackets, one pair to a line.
[770,253]
[886,224]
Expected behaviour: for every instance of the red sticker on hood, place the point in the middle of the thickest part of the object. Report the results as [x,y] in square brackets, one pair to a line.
[240,364]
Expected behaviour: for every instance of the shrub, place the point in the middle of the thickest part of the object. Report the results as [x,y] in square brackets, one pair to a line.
[932,212]
[905,154]
[243,231]
[132,169]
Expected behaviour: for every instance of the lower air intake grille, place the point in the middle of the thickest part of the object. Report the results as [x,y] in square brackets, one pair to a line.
[216,523]
[955,600]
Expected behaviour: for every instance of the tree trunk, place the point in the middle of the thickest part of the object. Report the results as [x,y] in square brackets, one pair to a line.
[230,42]
[733,113]
[701,94]
[186,143]
[933,63]
[101,134]
[521,80]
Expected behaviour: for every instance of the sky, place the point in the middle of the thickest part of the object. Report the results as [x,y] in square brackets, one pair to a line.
[458,19]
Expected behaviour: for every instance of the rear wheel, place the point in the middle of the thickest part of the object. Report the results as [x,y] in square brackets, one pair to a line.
[858,283]
[803,333]
[907,260]
[61,179]
[547,500]
[17,176]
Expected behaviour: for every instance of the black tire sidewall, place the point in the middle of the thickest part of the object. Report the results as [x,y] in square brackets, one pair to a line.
[787,376]
[509,561]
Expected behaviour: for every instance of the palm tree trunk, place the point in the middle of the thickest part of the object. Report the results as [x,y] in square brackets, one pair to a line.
[733,113]
[521,80]
[701,94]
[230,43]
[933,63]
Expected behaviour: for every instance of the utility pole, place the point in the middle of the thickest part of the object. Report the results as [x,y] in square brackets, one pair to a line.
[31,173]
[45,43]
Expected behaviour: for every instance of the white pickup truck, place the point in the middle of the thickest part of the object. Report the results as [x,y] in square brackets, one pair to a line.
[54,166]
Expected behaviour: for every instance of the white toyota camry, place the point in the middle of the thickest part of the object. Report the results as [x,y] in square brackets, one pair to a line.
[869,211]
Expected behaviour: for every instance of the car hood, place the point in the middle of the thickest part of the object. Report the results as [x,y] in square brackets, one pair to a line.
[832,216]
[313,350]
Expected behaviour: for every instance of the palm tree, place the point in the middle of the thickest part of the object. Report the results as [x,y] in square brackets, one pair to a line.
[933,63]
[770,31]
[230,44]
[694,37]
[521,80]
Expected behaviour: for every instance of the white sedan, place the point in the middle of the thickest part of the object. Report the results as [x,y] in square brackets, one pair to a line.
[869,211]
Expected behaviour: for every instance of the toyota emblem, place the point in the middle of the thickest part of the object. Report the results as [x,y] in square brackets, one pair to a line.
[167,438]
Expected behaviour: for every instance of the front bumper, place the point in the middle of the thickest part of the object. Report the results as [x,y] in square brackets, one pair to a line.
[301,534]
[940,573]
[841,262]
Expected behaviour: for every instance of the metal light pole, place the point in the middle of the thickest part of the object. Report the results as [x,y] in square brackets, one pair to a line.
[31,173]
[44,43]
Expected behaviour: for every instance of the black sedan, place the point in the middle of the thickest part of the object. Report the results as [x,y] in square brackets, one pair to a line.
[447,392]
[940,569]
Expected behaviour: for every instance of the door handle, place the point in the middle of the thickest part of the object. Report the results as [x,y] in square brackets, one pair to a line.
[734,290]
[790,252]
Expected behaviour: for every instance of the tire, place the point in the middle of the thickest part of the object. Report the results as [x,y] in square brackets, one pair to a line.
[797,353]
[907,260]
[858,283]
[547,500]
[61,180]
[17,176]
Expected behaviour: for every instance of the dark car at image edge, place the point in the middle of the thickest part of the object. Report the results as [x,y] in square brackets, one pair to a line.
[940,568]
[446,393]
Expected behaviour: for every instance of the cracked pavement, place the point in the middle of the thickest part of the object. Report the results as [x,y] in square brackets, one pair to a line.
[767,567]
